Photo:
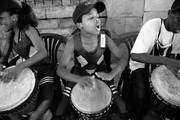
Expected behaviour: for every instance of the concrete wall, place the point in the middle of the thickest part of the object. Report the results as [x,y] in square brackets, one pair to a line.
[122,15]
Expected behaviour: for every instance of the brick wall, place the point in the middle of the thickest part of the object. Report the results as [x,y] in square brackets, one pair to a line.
[122,15]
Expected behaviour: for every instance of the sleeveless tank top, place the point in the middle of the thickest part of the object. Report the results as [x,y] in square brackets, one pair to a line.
[22,48]
[87,63]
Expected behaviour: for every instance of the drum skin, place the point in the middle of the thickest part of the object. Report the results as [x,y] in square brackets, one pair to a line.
[166,86]
[93,101]
[19,96]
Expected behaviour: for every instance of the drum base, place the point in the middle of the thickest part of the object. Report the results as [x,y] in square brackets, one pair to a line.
[111,114]
[72,114]
[163,108]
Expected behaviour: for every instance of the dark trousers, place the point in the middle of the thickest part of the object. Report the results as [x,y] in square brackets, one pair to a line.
[135,93]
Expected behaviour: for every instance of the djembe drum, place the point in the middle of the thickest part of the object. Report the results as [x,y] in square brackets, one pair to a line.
[91,103]
[166,89]
[20,95]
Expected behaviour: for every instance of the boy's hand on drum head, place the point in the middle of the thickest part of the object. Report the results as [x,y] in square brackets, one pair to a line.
[104,76]
[173,65]
[86,81]
[10,74]
[175,71]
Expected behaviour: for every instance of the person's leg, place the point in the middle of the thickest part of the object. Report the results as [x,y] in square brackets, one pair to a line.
[64,103]
[64,110]
[137,93]
[62,106]
[118,102]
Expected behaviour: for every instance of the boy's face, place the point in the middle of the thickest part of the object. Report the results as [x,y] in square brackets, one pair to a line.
[175,22]
[91,22]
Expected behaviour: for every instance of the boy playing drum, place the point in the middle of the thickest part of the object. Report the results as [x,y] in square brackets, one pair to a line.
[90,48]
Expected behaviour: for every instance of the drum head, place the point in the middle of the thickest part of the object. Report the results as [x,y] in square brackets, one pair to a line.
[166,84]
[13,93]
[91,100]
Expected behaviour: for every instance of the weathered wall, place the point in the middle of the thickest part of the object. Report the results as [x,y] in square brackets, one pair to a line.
[122,15]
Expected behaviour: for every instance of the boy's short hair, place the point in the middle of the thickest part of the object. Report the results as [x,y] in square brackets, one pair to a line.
[175,6]
[84,8]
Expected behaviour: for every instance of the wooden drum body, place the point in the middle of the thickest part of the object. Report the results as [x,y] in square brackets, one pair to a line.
[92,102]
[166,86]
[20,95]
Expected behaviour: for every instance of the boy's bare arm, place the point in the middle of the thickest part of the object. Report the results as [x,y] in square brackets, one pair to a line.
[122,54]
